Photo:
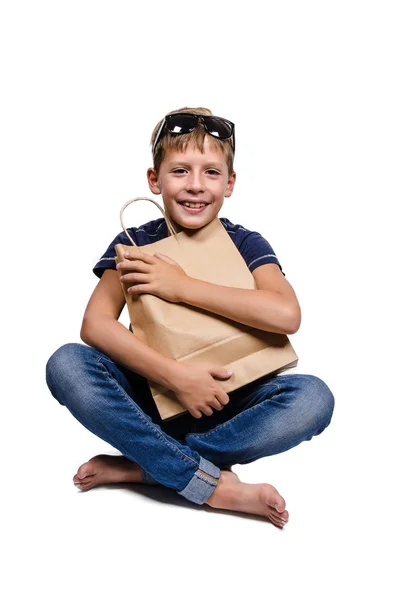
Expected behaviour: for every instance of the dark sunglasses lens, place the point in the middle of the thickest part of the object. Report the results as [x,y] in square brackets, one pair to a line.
[219,128]
[181,123]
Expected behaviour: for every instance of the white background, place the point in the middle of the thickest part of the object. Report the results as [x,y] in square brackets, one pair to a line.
[311,87]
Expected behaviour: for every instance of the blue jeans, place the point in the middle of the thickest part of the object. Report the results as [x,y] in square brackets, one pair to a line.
[262,418]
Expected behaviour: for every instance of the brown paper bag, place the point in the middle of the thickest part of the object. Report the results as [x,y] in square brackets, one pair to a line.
[194,336]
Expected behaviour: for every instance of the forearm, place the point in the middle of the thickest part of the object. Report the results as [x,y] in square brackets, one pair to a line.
[264,310]
[109,336]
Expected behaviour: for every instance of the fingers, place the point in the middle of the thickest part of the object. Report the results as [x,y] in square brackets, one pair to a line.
[199,411]
[195,413]
[135,278]
[137,254]
[165,258]
[222,397]
[133,265]
[217,403]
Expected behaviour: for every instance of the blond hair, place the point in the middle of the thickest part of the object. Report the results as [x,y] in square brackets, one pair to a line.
[169,142]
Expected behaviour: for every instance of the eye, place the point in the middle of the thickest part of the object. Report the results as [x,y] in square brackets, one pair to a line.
[212,172]
[179,171]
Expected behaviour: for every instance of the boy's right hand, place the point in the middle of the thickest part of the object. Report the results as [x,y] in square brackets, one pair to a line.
[197,390]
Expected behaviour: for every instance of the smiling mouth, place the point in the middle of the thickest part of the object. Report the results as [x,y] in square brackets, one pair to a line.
[190,204]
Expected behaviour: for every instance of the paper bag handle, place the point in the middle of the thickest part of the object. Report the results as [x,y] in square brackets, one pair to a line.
[171,229]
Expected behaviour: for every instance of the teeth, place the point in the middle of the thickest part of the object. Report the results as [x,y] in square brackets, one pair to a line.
[193,204]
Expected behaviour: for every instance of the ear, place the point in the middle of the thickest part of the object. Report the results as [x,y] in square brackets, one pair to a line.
[153,181]
[230,185]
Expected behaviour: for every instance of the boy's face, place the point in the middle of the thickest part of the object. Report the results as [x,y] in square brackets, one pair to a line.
[191,176]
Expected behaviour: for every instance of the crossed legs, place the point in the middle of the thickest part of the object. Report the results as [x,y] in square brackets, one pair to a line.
[260,420]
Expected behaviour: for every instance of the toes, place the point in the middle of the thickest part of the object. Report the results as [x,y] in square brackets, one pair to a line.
[85,485]
[279,505]
[284,516]
[278,518]
[272,498]
[84,488]
[279,524]
[78,481]
[85,470]
[276,521]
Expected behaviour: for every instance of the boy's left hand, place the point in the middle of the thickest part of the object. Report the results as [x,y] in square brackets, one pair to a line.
[158,275]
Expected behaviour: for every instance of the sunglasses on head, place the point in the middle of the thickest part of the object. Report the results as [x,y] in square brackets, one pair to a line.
[181,123]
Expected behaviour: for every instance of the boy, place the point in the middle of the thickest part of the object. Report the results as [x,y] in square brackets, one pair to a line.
[104,384]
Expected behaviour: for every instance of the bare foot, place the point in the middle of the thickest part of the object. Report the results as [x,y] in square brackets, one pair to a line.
[107,469]
[253,498]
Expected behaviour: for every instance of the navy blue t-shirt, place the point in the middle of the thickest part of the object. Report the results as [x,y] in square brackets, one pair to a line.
[255,250]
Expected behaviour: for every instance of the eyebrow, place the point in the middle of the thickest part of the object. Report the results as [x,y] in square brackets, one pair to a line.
[181,163]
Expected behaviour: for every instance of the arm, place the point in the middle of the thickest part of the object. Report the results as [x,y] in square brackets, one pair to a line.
[101,330]
[273,306]
[195,387]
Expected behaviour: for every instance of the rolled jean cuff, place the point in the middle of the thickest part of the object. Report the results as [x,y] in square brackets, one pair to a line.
[203,482]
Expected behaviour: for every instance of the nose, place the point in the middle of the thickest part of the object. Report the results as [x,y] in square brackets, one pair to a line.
[195,182]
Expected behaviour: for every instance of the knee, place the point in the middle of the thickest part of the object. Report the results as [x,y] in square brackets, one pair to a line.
[62,366]
[319,401]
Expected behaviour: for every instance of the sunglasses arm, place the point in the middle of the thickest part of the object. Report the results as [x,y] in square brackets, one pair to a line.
[159,133]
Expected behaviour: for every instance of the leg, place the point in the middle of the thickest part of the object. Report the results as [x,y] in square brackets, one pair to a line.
[264,419]
[99,395]
[276,415]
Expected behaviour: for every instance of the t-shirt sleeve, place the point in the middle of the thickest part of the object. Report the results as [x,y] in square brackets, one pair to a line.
[107,260]
[257,251]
